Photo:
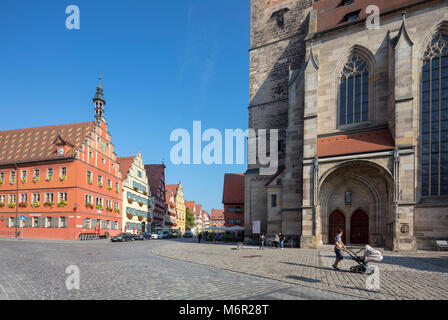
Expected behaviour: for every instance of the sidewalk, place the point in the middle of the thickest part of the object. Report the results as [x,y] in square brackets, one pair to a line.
[421,275]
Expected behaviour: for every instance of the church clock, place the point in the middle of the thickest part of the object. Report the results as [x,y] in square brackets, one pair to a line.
[103,146]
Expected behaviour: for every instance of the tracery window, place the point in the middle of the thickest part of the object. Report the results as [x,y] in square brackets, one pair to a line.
[434,131]
[354,92]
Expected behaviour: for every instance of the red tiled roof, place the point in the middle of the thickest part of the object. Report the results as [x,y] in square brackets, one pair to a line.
[198,209]
[233,191]
[331,13]
[125,164]
[38,143]
[370,141]
[190,205]
[172,188]
[217,214]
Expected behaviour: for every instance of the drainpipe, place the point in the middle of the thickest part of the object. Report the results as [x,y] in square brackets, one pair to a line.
[17,196]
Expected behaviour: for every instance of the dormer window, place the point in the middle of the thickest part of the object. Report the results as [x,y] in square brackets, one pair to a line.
[352,16]
[346,3]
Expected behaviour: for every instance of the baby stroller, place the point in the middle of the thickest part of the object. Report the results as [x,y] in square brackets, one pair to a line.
[369,255]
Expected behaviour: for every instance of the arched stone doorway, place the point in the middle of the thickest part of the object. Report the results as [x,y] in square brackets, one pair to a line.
[336,222]
[359,228]
[356,185]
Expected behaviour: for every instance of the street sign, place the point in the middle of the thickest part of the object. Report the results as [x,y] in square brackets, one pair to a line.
[22,217]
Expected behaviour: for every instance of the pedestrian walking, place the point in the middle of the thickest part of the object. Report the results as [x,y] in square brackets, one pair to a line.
[339,246]
[276,240]
[200,237]
[263,239]
[282,240]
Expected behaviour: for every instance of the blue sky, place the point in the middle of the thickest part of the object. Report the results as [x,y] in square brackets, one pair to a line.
[164,64]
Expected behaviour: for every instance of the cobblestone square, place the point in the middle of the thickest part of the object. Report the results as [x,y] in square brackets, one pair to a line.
[172,269]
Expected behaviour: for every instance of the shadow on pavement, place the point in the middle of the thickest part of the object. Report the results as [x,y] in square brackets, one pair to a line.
[309,280]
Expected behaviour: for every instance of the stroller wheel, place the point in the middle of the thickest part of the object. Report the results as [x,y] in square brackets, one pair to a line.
[353,269]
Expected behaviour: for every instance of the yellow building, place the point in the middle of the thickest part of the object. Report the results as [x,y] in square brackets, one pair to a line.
[178,192]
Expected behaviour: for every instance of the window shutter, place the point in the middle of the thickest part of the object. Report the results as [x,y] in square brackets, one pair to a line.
[26,222]
[84,224]
[66,222]
[56,222]
[38,222]
[7,222]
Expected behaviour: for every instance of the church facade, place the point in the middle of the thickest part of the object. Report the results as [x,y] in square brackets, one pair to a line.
[363,122]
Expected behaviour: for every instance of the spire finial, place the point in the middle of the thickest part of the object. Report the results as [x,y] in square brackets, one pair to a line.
[99,80]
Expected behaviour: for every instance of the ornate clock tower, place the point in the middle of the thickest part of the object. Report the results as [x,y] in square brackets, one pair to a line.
[99,101]
[278,30]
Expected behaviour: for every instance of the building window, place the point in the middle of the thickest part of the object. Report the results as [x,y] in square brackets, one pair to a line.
[2,199]
[2,177]
[91,154]
[62,196]
[273,200]
[139,173]
[12,222]
[12,198]
[62,222]
[35,222]
[47,222]
[117,186]
[12,177]
[49,197]
[434,132]
[35,198]
[36,173]
[99,203]
[354,92]
[49,173]
[87,223]
[89,200]
[238,209]
[23,175]
[100,180]
[63,173]
[103,161]
[109,183]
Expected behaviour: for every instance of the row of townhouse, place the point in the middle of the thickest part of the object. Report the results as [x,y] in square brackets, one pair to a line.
[63,181]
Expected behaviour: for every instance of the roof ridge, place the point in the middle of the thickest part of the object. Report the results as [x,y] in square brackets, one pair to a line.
[45,127]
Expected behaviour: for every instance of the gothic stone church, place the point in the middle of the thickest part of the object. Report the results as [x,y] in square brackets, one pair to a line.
[362,116]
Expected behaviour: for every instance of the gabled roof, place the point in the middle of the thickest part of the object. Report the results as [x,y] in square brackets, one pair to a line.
[38,143]
[217,214]
[125,164]
[171,188]
[154,172]
[370,141]
[233,191]
[198,209]
[190,205]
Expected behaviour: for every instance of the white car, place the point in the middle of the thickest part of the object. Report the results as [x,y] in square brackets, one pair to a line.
[158,235]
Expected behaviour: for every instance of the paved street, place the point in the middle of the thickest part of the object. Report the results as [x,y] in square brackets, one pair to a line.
[35,269]
[421,275]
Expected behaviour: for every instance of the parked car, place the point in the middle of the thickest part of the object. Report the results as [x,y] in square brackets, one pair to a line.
[167,235]
[122,237]
[188,235]
[154,236]
[143,236]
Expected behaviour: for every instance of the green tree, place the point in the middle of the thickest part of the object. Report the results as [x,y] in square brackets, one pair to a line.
[189,219]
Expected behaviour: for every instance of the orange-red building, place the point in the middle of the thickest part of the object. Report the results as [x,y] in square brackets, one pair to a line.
[64,179]
[233,199]
[217,218]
